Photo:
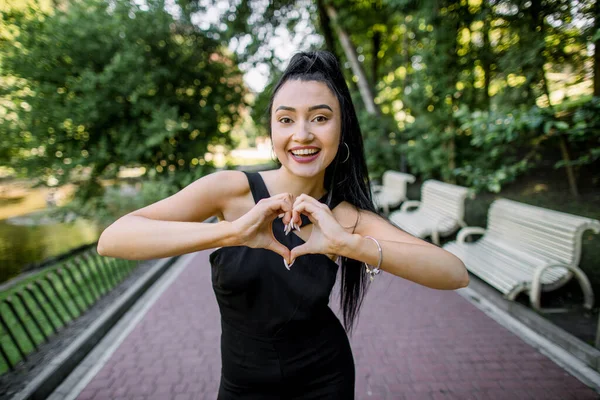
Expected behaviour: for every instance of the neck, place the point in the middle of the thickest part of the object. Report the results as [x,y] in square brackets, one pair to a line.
[296,185]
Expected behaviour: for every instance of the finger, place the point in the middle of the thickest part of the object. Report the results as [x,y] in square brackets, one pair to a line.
[277,205]
[303,198]
[287,198]
[296,218]
[280,249]
[309,209]
[287,218]
[300,251]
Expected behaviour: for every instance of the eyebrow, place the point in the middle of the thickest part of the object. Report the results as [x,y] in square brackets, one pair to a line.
[311,108]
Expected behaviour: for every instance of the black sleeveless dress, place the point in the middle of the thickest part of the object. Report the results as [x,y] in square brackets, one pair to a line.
[280,339]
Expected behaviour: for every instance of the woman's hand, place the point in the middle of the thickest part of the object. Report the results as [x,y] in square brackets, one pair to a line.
[327,236]
[254,229]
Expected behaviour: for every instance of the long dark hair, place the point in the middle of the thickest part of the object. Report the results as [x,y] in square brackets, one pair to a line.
[345,180]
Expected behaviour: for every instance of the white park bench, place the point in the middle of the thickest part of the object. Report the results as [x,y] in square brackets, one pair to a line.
[392,192]
[439,213]
[526,248]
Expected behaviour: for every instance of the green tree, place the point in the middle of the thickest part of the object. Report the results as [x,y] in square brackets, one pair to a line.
[103,85]
[440,70]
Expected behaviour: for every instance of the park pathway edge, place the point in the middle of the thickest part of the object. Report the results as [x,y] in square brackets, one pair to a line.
[569,362]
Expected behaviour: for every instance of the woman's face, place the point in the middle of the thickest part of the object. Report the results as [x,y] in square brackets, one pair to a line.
[306,127]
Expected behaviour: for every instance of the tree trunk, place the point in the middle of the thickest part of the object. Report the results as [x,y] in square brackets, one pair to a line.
[363,84]
[539,20]
[451,148]
[597,50]
[539,29]
[325,25]
[486,60]
[570,174]
[375,57]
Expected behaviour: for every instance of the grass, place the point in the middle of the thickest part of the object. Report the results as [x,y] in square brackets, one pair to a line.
[62,303]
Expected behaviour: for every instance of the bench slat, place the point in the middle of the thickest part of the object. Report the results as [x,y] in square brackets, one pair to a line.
[522,239]
[393,190]
[561,249]
[497,268]
[554,234]
[441,208]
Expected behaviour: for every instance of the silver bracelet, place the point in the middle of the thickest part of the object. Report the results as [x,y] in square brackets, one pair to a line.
[370,270]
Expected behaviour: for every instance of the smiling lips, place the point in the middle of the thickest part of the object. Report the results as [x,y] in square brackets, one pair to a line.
[305,154]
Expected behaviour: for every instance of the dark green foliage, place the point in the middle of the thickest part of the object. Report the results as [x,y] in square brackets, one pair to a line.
[116,85]
[584,133]
[380,138]
[503,145]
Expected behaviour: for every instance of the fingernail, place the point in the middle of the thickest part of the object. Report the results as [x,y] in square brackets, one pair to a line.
[290,266]
[287,229]
[297,228]
[286,264]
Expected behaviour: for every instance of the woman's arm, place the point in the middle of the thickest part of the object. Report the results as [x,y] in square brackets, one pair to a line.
[174,226]
[404,255]
[135,237]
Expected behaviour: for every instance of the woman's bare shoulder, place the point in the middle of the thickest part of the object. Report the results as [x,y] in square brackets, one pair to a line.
[229,183]
[232,192]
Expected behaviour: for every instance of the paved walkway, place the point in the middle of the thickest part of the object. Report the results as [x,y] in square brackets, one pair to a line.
[411,343]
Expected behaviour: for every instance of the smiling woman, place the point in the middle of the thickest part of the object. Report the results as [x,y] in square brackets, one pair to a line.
[305,127]
[272,276]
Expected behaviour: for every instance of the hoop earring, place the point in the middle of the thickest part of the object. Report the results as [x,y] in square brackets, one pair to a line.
[348,156]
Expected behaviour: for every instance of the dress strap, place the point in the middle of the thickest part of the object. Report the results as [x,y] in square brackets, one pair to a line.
[260,191]
[257,186]
[333,203]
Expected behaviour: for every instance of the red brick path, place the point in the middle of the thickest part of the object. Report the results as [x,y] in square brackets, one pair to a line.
[411,343]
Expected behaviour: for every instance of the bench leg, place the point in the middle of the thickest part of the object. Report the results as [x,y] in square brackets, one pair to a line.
[536,286]
[435,237]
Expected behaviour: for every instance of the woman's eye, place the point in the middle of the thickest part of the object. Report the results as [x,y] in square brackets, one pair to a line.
[285,120]
[320,118]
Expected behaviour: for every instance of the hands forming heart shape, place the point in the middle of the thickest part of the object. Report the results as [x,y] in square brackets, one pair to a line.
[254,229]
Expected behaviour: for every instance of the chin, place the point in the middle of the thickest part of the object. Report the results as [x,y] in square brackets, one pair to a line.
[305,171]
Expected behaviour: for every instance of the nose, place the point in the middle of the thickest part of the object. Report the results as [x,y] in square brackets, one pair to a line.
[303,133]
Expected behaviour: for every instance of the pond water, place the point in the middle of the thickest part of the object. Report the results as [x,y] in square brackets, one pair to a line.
[22,244]
[25,238]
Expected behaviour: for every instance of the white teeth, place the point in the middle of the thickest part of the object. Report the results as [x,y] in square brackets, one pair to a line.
[305,152]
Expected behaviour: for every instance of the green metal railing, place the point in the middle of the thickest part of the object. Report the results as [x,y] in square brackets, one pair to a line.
[35,309]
